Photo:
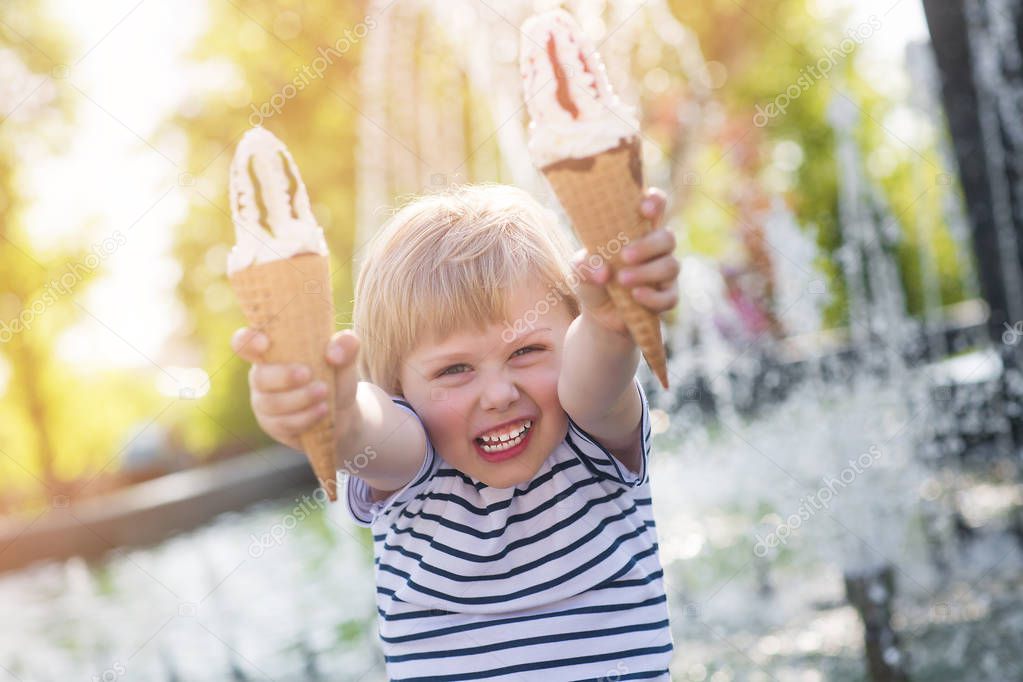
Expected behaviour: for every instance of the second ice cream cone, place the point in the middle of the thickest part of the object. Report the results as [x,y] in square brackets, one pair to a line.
[601,195]
[290,300]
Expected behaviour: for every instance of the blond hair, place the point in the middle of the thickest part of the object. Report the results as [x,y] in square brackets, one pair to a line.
[446,262]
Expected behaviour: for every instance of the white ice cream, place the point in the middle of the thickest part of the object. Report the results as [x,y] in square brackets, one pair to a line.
[269,204]
[574,111]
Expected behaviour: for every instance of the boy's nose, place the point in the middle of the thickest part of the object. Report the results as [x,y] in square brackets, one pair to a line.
[498,393]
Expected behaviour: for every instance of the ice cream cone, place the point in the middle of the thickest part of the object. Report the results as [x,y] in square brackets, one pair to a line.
[601,195]
[290,300]
[279,269]
[586,141]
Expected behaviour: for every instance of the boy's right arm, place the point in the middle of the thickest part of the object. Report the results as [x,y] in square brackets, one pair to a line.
[376,440]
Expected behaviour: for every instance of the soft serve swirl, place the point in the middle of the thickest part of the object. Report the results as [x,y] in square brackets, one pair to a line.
[269,204]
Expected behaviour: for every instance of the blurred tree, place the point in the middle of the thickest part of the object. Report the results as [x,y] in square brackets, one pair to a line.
[34,114]
[60,427]
[781,52]
[291,67]
[760,50]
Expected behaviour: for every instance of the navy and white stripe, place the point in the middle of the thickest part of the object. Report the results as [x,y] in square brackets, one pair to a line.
[558,576]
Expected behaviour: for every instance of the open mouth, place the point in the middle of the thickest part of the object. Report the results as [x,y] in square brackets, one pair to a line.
[506,445]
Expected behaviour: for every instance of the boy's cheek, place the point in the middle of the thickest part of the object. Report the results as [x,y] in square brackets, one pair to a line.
[447,419]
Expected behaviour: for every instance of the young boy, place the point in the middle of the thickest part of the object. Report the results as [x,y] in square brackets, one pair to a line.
[497,443]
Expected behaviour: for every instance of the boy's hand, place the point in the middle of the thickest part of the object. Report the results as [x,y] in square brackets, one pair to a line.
[650,270]
[284,399]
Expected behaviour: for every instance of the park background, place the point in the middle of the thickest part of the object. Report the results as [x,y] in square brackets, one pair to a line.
[117,126]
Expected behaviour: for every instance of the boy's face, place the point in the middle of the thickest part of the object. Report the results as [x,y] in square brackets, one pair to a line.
[493,383]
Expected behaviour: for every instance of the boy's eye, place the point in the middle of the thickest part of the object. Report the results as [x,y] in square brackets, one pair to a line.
[527,348]
[449,371]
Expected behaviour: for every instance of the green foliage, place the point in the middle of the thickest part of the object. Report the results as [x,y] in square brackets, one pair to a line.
[765,48]
[32,310]
[319,126]
[57,424]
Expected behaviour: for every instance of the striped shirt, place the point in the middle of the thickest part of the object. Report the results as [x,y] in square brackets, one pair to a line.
[555,579]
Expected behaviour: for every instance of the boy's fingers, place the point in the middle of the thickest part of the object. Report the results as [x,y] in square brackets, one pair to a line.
[298,423]
[249,344]
[283,403]
[343,353]
[659,242]
[653,205]
[343,347]
[657,271]
[657,300]
[578,263]
[274,378]
[590,268]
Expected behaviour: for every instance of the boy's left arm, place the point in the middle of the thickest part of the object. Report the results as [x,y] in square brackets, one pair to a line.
[596,387]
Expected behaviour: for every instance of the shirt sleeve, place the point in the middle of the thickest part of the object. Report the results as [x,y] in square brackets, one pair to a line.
[600,461]
[363,510]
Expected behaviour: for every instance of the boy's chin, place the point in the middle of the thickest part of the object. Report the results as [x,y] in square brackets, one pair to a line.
[508,474]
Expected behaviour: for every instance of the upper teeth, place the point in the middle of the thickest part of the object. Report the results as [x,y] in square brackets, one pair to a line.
[499,438]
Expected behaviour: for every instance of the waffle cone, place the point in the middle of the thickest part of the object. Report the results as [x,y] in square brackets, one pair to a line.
[601,195]
[290,300]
